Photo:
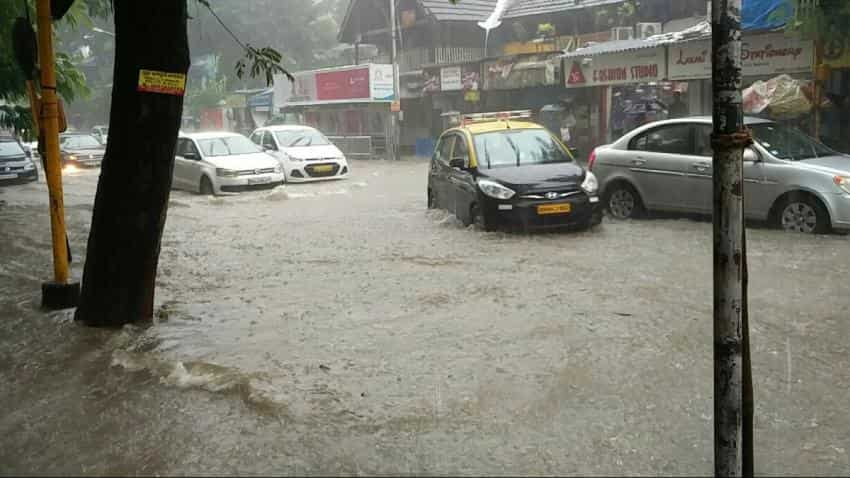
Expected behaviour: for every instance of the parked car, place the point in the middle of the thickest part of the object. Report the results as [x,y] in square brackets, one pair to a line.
[16,164]
[304,152]
[501,170]
[790,178]
[101,133]
[80,150]
[215,163]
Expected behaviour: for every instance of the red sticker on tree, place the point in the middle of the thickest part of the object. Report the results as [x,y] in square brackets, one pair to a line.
[576,75]
[152,81]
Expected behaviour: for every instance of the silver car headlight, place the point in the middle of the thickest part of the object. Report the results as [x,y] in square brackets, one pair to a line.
[842,182]
[590,184]
[29,167]
[495,190]
[226,173]
[278,169]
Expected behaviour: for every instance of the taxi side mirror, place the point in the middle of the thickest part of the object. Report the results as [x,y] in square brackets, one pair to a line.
[751,156]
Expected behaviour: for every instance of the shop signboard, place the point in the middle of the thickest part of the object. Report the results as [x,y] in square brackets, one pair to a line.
[349,84]
[261,101]
[451,78]
[761,55]
[381,82]
[637,66]
[364,84]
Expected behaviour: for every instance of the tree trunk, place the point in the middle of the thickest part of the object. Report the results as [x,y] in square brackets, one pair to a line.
[135,180]
[729,140]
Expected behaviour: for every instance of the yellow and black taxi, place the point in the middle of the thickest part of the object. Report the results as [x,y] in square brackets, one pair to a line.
[501,170]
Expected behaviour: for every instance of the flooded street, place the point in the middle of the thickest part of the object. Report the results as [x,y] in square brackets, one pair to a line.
[342,328]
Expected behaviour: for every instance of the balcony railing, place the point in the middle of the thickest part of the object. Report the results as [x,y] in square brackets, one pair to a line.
[415,58]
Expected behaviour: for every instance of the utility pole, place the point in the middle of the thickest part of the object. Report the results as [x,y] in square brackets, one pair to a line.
[60,293]
[394,116]
[732,441]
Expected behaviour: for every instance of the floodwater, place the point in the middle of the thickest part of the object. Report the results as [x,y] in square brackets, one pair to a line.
[341,328]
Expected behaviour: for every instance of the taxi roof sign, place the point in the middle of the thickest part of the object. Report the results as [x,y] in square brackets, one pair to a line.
[496,116]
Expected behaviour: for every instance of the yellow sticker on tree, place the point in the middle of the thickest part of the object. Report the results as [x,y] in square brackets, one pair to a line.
[152,81]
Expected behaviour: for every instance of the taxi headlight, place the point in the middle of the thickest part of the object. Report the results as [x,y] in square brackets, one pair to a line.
[495,190]
[590,184]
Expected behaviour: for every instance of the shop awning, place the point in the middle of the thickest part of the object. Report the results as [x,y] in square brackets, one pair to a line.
[700,31]
[617,46]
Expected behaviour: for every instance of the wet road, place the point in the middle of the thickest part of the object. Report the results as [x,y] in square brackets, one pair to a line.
[340,328]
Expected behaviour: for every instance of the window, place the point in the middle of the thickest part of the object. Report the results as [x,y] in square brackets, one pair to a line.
[268,142]
[518,147]
[291,138]
[256,138]
[674,139]
[702,140]
[788,143]
[227,146]
[461,150]
[186,146]
[444,151]
[83,141]
[10,148]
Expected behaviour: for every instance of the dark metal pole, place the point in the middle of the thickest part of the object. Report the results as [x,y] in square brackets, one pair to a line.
[729,140]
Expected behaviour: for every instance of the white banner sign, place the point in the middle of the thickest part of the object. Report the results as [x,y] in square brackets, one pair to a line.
[381,82]
[638,66]
[762,55]
[451,78]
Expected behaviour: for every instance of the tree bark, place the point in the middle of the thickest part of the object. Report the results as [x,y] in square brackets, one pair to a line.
[135,180]
[729,140]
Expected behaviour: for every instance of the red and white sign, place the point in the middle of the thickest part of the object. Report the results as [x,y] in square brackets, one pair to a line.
[363,84]
[576,75]
[639,66]
[761,55]
[343,85]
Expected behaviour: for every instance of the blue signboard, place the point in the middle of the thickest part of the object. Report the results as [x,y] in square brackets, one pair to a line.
[261,100]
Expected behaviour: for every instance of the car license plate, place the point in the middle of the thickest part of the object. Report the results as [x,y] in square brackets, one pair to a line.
[8,176]
[324,168]
[262,180]
[546,209]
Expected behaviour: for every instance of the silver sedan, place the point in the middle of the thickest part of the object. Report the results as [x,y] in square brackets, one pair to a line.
[790,179]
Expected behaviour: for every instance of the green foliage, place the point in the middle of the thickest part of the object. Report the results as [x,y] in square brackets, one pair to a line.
[614,16]
[70,81]
[208,97]
[545,30]
[263,61]
[296,34]
[824,20]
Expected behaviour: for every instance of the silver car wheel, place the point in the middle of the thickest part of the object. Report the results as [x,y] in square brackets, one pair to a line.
[799,217]
[621,204]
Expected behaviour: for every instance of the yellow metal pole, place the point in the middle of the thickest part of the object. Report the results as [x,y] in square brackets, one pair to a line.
[50,125]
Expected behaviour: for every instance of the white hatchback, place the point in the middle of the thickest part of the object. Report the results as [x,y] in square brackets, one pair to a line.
[304,152]
[215,163]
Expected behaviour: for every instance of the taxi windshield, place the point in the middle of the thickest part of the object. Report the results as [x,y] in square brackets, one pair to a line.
[519,147]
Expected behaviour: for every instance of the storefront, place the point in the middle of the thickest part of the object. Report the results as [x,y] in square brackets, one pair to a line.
[836,123]
[351,105]
[260,106]
[763,57]
[529,81]
[616,86]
